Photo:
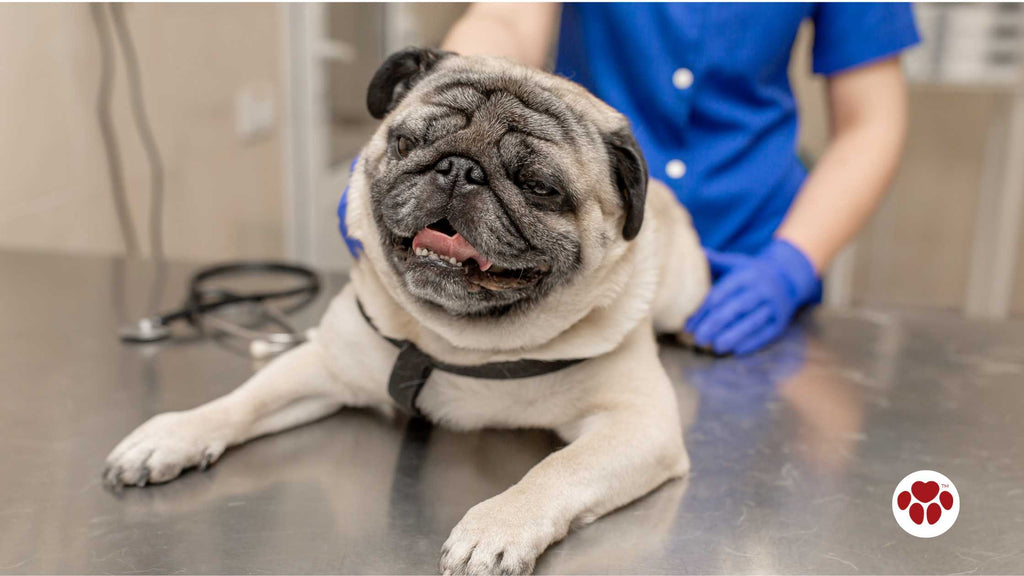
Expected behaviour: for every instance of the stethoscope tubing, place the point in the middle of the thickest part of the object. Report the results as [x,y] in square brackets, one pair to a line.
[200,302]
[196,305]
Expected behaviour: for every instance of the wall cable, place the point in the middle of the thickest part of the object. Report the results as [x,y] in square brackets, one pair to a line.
[143,127]
[109,135]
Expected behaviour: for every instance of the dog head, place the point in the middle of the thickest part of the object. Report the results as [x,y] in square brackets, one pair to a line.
[492,185]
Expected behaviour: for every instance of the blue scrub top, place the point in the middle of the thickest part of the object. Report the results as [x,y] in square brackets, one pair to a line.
[707,91]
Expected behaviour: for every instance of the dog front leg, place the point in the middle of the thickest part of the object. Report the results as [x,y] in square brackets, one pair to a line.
[294,389]
[614,458]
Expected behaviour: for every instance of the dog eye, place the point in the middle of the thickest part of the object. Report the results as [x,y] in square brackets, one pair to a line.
[539,188]
[404,145]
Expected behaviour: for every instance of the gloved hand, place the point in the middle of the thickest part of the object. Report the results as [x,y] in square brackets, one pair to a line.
[355,247]
[753,298]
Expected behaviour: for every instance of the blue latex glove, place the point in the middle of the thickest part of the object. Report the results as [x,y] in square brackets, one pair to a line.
[754,298]
[355,247]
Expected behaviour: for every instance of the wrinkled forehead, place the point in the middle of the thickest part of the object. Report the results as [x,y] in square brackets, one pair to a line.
[513,98]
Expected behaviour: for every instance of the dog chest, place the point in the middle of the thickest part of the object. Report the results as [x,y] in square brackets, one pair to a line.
[468,403]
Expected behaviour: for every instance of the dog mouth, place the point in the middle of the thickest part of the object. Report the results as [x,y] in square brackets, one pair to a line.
[441,248]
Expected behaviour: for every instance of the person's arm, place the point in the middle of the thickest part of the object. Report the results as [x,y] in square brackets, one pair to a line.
[521,32]
[755,297]
[868,110]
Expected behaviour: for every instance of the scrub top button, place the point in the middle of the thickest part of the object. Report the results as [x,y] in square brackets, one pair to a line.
[675,169]
[682,78]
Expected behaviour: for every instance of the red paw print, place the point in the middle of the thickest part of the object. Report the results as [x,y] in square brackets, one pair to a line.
[925,504]
[923,493]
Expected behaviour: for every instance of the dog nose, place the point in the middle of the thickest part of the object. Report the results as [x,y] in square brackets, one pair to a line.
[456,170]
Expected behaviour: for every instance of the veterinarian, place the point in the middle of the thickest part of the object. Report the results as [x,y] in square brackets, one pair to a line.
[706,88]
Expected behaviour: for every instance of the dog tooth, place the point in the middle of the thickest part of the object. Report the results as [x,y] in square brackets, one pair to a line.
[452,260]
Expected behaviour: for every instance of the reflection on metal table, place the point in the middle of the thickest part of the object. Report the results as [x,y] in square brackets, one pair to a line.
[796,452]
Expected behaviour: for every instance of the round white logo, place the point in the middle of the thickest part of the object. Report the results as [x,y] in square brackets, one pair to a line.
[925,504]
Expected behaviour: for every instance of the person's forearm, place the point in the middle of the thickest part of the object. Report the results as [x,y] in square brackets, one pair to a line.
[521,32]
[854,174]
[840,194]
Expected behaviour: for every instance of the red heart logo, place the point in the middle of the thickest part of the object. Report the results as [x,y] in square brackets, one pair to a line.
[925,491]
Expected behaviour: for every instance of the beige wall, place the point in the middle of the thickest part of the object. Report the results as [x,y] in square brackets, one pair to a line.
[224,196]
[1017,308]
[916,251]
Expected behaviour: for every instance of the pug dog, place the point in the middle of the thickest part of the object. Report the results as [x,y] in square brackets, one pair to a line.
[517,264]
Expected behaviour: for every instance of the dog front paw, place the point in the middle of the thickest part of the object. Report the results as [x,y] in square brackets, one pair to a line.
[503,535]
[162,447]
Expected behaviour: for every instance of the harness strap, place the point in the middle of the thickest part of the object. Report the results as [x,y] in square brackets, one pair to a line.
[413,367]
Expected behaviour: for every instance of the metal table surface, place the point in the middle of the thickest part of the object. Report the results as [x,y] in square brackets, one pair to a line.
[796,452]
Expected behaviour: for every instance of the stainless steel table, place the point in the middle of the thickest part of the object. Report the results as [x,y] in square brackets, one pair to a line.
[796,452]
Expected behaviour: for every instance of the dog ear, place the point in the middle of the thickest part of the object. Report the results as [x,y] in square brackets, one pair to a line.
[397,75]
[629,175]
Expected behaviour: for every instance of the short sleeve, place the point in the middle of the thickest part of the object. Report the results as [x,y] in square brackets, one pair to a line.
[847,35]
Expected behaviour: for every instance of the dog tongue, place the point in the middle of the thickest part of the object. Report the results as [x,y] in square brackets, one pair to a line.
[449,246]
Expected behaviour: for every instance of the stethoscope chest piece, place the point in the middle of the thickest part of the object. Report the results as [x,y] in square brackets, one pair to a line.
[145,330]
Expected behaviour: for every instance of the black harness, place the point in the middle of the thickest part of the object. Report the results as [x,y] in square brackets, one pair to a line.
[413,367]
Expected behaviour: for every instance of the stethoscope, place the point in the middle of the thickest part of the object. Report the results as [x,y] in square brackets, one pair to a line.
[202,301]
